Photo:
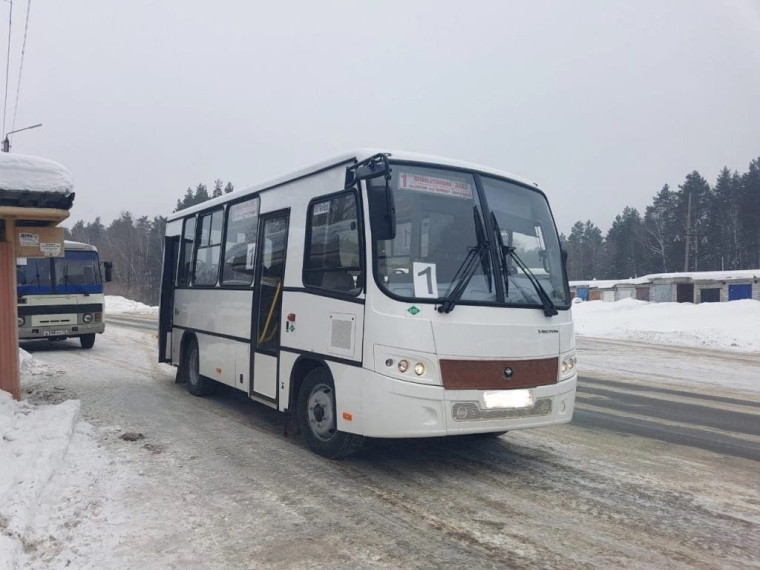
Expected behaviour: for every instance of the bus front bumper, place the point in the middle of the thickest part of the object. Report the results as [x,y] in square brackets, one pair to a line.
[63,331]
[397,409]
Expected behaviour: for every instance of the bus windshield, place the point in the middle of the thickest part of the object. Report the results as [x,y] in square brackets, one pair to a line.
[77,272]
[440,218]
[33,276]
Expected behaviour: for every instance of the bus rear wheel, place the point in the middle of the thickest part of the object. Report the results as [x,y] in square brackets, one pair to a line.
[317,418]
[87,340]
[197,384]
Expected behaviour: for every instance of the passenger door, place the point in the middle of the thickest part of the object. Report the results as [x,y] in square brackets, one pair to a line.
[171,256]
[267,305]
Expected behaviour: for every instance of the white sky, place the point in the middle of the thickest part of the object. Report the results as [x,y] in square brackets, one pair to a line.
[601,102]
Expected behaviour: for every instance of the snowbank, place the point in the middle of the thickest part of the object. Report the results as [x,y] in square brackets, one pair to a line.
[719,326]
[52,470]
[34,443]
[117,304]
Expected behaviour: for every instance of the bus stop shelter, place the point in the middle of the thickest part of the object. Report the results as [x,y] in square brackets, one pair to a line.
[36,195]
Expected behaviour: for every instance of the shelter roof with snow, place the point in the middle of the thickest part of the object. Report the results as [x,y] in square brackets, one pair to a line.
[34,182]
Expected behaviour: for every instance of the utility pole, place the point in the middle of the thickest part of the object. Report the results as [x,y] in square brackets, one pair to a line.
[7,143]
[688,233]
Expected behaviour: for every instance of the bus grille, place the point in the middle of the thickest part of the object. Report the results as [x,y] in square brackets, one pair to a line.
[472,412]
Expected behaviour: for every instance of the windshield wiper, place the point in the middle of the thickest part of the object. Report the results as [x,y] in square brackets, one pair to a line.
[548,305]
[67,282]
[467,268]
[502,250]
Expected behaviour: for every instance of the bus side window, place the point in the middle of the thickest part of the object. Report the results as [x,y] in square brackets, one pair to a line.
[333,257]
[240,243]
[208,249]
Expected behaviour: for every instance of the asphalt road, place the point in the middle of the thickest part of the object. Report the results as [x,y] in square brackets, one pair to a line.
[725,425]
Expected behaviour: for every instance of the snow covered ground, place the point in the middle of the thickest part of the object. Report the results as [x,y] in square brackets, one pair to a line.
[57,504]
[733,326]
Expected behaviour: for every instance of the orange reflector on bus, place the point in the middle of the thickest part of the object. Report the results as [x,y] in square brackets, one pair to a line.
[218,370]
[348,417]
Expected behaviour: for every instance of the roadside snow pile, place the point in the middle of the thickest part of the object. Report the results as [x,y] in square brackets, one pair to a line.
[719,326]
[117,304]
[33,446]
[51,466]
[29,366]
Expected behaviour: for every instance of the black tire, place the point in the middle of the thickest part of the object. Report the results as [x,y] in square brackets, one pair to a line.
[197,384]
[317,418]
[87,340]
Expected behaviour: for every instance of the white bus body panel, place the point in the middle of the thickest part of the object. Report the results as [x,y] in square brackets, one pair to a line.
[221,321]
[265,375]
[323,325]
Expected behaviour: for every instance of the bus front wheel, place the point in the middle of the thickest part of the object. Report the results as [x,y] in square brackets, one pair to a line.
[197,384]
[317,417]
[87,340]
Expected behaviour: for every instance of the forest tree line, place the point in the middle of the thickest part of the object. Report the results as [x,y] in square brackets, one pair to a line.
[695,227]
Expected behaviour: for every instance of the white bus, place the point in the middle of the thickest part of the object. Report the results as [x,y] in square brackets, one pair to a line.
[377,294]
[62,297]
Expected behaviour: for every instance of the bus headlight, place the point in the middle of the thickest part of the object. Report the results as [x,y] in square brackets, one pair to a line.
[87,318]
[567,368]
[406,365]
[21,321]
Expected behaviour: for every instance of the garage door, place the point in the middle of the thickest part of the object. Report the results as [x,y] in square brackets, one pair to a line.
[685,292]
[736,292]
[709,295]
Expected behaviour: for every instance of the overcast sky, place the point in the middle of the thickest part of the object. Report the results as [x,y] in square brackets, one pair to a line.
[600,102]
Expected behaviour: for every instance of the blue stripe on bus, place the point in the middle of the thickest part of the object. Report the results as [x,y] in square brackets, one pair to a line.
[74,289]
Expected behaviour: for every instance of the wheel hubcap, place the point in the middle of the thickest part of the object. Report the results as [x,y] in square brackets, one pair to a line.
[321,412]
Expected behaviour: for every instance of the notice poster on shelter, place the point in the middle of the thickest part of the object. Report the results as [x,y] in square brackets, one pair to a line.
[434,185]
[39,242]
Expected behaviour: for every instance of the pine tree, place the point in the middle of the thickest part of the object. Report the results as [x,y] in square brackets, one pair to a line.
[217,188]
[662,237]
[749,217]
[624,246]
[694,198]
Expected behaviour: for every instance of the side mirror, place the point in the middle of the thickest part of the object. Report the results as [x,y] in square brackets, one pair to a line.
[108,269]
[382,212]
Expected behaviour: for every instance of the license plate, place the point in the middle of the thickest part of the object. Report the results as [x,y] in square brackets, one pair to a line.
[55,333]
[508,399]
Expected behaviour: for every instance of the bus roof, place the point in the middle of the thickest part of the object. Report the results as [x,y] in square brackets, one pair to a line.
[78,246]
[348,158]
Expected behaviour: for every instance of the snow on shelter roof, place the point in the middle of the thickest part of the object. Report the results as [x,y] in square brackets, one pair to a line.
[34,182]
[33,173]
[347,158]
